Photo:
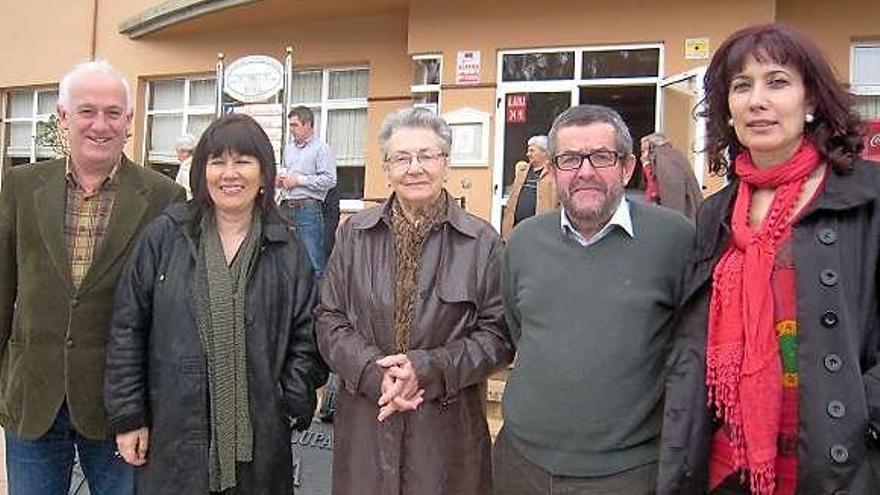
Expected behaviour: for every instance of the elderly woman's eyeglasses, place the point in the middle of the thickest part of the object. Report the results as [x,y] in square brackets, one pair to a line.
[424,158]
[574,161]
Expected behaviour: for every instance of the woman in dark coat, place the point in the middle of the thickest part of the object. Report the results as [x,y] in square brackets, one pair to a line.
[412,321]
[211,357]
[774,382]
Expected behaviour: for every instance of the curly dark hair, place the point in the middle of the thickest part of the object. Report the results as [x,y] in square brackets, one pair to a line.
[836,130]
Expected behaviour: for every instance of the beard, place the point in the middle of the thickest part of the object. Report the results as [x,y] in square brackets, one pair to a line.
[594,215]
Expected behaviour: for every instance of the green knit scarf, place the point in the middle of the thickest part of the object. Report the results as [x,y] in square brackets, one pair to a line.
[220,294]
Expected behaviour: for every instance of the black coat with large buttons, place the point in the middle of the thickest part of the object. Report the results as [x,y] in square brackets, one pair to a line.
[836,243]
[155,374]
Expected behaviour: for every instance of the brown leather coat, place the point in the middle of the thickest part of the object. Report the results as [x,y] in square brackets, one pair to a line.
[546,197]
[458,339]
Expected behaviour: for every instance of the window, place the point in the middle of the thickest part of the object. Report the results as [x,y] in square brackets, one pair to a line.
[176,107]
[338,97]
[427,70]
[865,79]
[537,66]
[27,110]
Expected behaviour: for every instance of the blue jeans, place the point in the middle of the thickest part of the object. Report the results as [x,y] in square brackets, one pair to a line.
[43,466]
[309,221]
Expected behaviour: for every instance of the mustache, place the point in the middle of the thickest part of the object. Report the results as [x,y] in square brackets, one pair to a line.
[587,184]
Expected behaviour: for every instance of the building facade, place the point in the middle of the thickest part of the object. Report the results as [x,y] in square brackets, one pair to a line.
[498,70]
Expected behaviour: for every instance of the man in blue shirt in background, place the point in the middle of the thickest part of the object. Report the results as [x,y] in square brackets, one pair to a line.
[308,172]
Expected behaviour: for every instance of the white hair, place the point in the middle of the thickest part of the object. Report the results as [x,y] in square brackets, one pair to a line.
[185,142]
[540,141]
[99,67]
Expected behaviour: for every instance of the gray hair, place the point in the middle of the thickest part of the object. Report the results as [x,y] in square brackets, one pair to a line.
[185,142]
[656,139]
[540,141]
[415,118]
[99,67]
[584,115]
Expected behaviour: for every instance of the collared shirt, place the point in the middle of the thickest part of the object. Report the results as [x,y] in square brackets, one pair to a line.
[86,217]
[621,218]
[315,165]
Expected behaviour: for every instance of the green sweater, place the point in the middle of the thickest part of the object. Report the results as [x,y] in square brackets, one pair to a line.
[591,325]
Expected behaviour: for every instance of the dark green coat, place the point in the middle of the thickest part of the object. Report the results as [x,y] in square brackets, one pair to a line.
[52,335]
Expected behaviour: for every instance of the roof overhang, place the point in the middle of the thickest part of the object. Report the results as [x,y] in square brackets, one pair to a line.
[174,12]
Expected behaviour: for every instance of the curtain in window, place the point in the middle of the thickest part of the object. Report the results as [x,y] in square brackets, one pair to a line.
[20,104]
[166,95]
[346,84]
[19,138]
[196,124]
[306,87]
[164,130]
[202,92]
[868,107]
[346,134]
[46,101]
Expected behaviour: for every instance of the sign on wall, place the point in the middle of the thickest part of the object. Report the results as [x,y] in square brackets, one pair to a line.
[253,78]
[467,68]
[696,48]
[517,104]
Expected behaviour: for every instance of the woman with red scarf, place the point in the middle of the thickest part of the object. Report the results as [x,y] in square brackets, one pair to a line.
[774,380]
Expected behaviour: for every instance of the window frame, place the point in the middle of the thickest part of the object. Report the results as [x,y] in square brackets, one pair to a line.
[34,119]
[855,87]
[327,105]
[186,111]
[426,89]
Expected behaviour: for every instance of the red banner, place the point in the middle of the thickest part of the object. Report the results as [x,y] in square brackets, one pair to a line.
[872,140]
[516,108]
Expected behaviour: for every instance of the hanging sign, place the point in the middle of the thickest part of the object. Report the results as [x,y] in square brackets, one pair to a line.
[696,48]
[872,140]
[253,78]
[516,108]
[467,69]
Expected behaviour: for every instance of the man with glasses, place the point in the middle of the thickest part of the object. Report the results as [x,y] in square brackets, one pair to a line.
[590,315]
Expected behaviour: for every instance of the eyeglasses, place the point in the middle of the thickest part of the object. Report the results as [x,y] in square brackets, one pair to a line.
[424,159]
[597,159]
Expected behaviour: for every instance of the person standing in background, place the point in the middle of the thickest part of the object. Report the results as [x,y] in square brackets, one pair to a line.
[533,190]
[669,176]
[183,148]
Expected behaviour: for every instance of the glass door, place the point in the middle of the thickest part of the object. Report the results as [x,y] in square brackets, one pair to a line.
[679,95]
[525,114]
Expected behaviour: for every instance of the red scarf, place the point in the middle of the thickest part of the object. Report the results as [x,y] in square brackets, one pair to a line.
[743,366]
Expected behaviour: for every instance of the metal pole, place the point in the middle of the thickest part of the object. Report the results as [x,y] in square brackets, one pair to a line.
[218,103]
[286,99]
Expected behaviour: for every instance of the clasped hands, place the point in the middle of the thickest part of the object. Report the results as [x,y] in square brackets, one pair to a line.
[400,386]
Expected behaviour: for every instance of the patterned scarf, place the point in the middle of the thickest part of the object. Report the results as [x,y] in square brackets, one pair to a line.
[220,294]
[409,239]
[743,367]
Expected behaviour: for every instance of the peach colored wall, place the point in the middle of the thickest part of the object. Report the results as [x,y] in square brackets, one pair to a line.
[834,25]
[37,46]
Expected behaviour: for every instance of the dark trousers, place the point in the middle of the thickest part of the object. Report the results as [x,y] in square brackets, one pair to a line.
[44,466]
[516,475]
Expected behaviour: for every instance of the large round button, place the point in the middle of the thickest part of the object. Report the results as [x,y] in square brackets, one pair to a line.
[833,362]
[839,454]
[836,409]
[828,277]
[827,236]
[830,319]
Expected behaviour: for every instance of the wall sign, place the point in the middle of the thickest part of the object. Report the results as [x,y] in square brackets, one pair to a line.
[696,48]
[253,78]
[516,108]
[467,68]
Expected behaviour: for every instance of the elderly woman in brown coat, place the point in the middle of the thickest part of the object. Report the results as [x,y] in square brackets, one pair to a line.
[411,319]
